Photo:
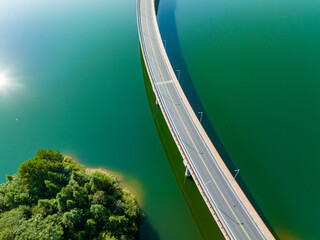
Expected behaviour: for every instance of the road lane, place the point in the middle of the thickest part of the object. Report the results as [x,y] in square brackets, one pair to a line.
[233,218]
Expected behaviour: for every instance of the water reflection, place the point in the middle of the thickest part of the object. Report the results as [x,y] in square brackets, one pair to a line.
[168,28]
[197,207]
[7,83]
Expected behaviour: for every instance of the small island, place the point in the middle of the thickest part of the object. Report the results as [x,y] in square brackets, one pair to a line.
[53,197]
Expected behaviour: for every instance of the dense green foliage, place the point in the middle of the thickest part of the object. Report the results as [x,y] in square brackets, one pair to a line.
[52,197]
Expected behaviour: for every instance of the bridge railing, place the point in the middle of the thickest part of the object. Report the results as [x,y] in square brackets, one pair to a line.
[194,173]
[184,153]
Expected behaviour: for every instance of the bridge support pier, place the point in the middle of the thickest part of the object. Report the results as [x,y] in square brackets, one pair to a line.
[157,103]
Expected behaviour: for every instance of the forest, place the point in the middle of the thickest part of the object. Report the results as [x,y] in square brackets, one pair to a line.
[53,197]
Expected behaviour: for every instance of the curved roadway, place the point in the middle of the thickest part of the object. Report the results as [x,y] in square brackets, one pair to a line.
[229,206]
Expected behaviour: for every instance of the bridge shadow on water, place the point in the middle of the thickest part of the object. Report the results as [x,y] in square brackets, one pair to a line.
[196,205]
[165,10]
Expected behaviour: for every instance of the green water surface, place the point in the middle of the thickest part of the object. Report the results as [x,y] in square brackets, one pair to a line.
[255,66]
[75,84]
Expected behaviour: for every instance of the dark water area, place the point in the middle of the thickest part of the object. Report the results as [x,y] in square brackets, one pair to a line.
[168,28]
[253,69]
[169,32]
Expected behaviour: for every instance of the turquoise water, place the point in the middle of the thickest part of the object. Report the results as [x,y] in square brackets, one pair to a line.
[255,68]
[75,84]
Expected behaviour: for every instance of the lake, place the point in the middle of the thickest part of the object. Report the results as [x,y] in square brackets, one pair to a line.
[75,84]
[253,69]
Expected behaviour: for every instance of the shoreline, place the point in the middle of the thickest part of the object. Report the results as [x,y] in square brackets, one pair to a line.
[126,183]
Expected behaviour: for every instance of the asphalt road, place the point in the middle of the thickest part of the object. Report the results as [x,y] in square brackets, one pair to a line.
[229,211]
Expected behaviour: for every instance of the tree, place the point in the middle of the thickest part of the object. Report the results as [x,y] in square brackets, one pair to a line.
[52,197]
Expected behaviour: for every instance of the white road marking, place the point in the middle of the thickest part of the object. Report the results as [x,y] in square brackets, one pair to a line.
[165,82]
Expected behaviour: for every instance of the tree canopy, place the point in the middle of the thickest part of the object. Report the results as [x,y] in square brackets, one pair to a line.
[53,197]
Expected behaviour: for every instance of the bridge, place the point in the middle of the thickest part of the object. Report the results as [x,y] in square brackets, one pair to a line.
[231,209]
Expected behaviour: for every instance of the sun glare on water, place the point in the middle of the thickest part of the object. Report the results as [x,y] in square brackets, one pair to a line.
[3,81]
[7,84]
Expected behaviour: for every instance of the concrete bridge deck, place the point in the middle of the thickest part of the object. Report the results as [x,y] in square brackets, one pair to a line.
[228,204]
